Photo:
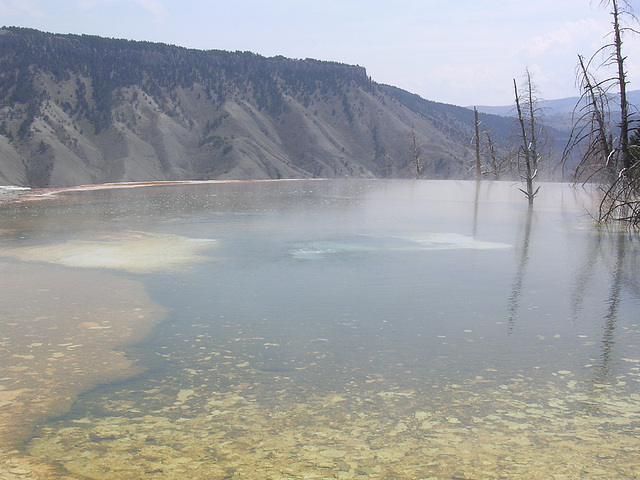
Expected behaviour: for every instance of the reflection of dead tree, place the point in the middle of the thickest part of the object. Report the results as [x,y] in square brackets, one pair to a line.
[476,204]
[586,274]
[516,291]
[611,317]
[620,267]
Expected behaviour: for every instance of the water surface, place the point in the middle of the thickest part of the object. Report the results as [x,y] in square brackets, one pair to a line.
[344,329]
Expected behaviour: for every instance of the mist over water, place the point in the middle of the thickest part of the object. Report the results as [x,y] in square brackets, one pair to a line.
[350,329]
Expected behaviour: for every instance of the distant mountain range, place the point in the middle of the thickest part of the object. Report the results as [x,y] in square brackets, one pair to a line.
[562,106]
[85,109]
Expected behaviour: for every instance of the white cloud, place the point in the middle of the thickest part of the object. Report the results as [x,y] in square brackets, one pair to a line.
[90,4]
[571,36]
[16,8]
[154,7]
[465,83]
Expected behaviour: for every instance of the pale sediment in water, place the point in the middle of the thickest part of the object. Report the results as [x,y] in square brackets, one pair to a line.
[263,427]
[242,402]
[397,243]
[61,329]
[136,252]
[60,334]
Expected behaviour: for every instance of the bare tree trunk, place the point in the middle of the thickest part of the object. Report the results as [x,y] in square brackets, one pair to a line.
[598,114]
[492,153]
[415,151]
[532,111]
[622,198]
[478,162]
[591,129]
[624,106]
[618,172]
[526,150]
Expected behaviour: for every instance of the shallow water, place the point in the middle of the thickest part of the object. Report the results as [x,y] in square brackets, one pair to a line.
[347,329]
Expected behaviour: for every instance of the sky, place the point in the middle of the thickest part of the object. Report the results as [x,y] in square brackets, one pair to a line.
[464,52]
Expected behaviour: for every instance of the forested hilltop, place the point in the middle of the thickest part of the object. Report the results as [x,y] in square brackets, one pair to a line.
[84,109]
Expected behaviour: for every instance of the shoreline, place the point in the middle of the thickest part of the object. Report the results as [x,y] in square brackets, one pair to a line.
[34,194]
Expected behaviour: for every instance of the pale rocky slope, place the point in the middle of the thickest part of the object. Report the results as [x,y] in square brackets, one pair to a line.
[78,110]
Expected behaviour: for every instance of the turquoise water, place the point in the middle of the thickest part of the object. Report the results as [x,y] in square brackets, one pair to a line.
[354,329]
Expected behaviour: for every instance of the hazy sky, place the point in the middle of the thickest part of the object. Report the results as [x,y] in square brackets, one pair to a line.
[465,52]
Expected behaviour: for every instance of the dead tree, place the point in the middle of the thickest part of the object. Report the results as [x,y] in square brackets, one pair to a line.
[477,142]
[495,167]
[620,176]
[618,60]
[591,130]
[527,148]
[415,151]
[622,200]
[484,148]
[532,110]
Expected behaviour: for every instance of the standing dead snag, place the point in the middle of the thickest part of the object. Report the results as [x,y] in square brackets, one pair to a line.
[415,151]
[495,167]
[591,128]
[619,59]
[477,139]
[622,199]
[613,165]
[491,167]
[527,149]
[531,110]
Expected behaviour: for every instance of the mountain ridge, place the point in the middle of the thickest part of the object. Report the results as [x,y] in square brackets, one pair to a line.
[558,106]
[77,109]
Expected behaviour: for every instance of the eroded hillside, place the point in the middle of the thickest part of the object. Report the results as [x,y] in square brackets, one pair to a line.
[81,109]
